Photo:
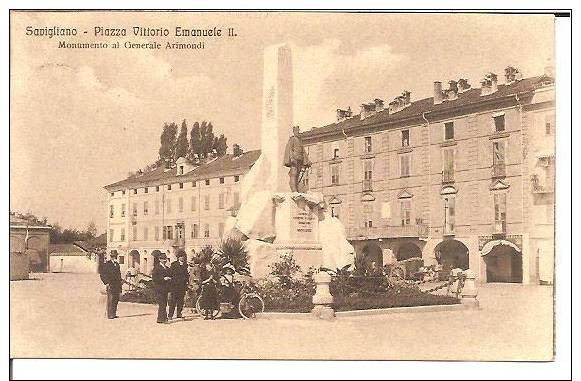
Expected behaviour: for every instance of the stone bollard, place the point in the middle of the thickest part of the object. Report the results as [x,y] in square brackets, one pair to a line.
[323,300]
[469,292]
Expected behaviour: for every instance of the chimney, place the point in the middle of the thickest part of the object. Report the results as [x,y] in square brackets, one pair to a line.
[378,104]
[489,84]
[452,92]
[236,150]
[438,96]
[340,115]
[511,75]
[367,109]
[463,85]
[406,97]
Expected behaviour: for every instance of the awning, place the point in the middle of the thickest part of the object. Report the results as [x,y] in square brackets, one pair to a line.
[492,244]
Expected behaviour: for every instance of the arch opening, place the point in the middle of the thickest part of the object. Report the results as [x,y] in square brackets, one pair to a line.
[503,265]
[452,254]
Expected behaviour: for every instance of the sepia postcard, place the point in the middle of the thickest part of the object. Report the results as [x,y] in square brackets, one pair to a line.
[282,185]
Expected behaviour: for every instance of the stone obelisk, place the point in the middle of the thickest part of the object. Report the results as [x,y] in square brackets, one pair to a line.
[277,111]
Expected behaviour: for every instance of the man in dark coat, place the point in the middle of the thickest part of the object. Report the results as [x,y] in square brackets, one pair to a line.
[179,283]
[161,280]
[296,158]
[111,277]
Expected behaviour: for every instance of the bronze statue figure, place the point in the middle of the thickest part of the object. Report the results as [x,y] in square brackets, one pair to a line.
[296,158]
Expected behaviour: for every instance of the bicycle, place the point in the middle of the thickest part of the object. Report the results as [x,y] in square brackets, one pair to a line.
[249,302]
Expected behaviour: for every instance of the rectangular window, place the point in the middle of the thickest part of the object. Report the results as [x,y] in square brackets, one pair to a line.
[157,233]
[135,191]
[335,174]
[406,212]
[405,164]
[123,192]
[448,165]
[367,175]
[368,147]
[193,184]
[499,123]
[335,153]
[145,208]
[156,206]
[220,229]
[221,201]
[405,138]
[157,188]
[498,159]
[368,223]
[500,213]
[122,234]
[146,190]
[168,186]
[112,194]
[206,230]
[181,185]
[181,169]
[236,178]
[221,180]
[122,210]
[134,209]
[449,214]
[168,232]
[168,205]
[208,182]
[181,204]
[111,211]
[549,122]
[449,130]
[111,235]
[335,211]
[135,233]
[195,231]
[207,202]
[194,207]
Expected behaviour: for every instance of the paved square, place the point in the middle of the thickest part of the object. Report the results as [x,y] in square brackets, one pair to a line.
[62,315]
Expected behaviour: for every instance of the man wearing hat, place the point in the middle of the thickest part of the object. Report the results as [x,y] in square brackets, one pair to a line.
[111,277]
[161,280]
[179,284]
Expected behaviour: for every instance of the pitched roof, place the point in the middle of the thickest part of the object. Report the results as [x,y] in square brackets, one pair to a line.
[65,249]
[417,108]
[19,220]
[221,166]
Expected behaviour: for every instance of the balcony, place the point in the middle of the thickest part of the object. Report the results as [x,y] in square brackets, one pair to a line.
[447,176]
[407,231]
[178,242]
[498,170]
[367,185]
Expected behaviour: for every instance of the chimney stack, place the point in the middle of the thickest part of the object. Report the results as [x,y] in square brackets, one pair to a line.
[236,150]
[452,92]
[463,85]
[489,84]
[343,114]
[511,75]
[367,109]
[438,95]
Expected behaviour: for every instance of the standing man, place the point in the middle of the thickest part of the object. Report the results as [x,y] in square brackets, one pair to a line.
[111,277]
[161,280]
[296,158]
[179,284]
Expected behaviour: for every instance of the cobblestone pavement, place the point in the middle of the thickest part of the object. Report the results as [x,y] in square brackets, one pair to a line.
[63,315]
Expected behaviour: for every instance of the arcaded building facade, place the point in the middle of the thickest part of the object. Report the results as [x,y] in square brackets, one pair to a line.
[167,209]
[464,178]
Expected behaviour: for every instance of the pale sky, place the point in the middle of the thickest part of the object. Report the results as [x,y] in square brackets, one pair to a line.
[81,119]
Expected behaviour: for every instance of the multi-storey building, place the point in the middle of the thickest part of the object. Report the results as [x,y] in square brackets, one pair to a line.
[464,178]
[166,209]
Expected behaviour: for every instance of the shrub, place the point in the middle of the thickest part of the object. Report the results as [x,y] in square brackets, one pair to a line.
[233,251]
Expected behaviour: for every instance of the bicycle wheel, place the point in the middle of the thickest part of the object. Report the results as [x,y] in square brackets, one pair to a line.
[250,305]
[202,312]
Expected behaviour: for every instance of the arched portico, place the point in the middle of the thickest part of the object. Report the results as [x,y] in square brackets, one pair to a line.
[503,261]
[452,254]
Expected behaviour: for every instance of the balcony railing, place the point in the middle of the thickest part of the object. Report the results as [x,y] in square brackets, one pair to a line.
[367,185]
[411,231]
[498,170]
[447,176]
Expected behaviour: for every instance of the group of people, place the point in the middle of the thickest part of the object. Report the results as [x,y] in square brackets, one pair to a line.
[171,284]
